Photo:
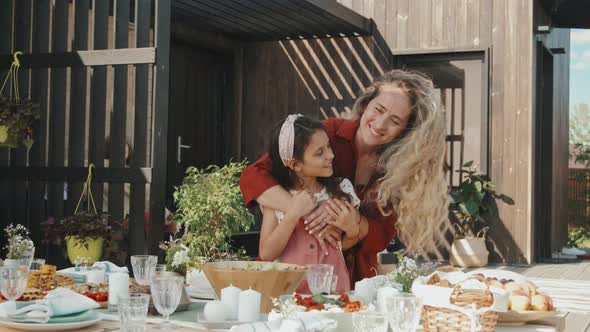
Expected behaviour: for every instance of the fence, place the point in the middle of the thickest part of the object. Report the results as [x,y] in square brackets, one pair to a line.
[91,80]
[579,197]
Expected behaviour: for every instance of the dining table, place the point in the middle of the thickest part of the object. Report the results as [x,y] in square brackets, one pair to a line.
[187,321]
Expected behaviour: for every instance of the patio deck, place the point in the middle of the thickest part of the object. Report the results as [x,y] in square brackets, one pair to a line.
[576,280]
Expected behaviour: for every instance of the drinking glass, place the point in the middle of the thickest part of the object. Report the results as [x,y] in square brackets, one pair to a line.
[143,268]
[166,293]
[36,264]
[334,285]
[133,311]
[369,322]
[319,277]
[13,278]
[404,311]
[159,269]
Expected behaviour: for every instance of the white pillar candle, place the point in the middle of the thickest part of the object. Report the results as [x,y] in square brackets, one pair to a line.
[230,296]
[95,276]
[249,306]
[216,311]
[365,290]
[383,294]
[118,287]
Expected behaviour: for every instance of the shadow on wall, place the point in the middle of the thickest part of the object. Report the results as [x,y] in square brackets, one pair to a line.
[500,242]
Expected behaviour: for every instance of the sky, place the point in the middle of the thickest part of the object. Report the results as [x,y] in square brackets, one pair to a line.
[579,67]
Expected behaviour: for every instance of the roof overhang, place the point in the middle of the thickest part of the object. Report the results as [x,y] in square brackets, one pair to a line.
[265,20]
[569,14]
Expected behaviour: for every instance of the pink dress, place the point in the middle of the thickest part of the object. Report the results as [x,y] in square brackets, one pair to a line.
[303,248]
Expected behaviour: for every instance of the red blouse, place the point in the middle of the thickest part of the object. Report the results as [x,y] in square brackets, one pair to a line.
[361,260]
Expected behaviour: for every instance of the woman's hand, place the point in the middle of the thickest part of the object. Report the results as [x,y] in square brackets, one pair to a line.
[302,203]
[344,216]
[316,220]
[330,235]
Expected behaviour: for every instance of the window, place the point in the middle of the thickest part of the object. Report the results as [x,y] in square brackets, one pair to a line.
[461,80]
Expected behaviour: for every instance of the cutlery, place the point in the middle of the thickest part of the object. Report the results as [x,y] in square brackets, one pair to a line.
[106,329]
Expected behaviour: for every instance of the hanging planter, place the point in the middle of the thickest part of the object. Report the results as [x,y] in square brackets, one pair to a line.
[18,117]
[85,232]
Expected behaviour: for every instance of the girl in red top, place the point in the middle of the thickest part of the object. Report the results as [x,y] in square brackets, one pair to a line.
[301,159]
[393,152]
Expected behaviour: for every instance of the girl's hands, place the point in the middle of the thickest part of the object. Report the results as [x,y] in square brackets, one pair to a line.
[302,203]
[344,216]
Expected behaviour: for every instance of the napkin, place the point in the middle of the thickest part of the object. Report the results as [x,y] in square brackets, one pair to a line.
[109,267]
[307,323]
[57,305]
[78,276]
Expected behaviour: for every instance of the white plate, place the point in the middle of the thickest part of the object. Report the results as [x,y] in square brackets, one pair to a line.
[200,293]
[225,325]
[51,327]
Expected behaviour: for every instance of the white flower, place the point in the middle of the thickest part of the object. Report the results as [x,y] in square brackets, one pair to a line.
[180,257]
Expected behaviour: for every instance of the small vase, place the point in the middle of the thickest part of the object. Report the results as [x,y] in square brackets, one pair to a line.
[93,253]
[469,252]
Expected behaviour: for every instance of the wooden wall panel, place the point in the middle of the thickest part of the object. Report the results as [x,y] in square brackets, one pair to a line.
[316,77]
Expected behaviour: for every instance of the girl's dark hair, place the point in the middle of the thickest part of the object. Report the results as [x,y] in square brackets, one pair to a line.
[304,129]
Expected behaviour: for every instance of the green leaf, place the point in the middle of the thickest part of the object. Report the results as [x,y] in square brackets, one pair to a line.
[468,164]
[477,186]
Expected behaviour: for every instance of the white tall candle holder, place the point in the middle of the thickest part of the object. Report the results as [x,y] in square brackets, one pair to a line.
[118,288]
[249,306]
[230,296]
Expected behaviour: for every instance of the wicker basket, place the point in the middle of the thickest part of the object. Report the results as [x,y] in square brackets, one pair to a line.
[442,319]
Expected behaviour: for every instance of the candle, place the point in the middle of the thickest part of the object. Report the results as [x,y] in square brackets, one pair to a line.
[95,276]
[230,296]
[249,306]
[216,311]
[365,290]
[383,294]
[118,288]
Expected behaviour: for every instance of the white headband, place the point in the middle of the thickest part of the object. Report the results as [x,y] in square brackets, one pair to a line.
[287,138]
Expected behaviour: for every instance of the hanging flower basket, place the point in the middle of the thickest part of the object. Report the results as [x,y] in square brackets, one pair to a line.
[18,116]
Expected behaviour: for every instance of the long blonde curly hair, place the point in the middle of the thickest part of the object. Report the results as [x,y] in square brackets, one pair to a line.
[413,181]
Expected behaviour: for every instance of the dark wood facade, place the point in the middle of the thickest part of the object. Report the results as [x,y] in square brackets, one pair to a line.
[84,80]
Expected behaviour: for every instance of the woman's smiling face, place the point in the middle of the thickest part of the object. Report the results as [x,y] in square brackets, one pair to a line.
[385,117]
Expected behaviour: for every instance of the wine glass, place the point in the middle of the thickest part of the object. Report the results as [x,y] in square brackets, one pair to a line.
[13,278]
[144,267]
[166,293]
[369,322]
[404,312]
[319,278]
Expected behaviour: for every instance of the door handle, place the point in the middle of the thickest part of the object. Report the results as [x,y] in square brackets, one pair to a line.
[179,148]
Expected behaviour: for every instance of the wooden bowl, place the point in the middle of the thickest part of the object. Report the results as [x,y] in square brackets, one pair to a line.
[269,278]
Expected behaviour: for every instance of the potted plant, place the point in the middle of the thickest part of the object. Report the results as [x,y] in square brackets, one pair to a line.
[17,120]
[17,116]
[18,244]
[469,202]
[209,209]
[85,232]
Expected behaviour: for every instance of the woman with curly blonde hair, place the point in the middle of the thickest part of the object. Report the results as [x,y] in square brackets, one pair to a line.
[393,152]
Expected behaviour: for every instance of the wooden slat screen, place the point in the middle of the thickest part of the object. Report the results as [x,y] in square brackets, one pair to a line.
[89,66]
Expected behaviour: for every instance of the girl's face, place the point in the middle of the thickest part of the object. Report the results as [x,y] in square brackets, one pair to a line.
[385,117]
[317,157]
